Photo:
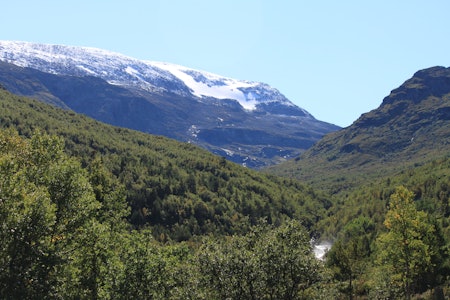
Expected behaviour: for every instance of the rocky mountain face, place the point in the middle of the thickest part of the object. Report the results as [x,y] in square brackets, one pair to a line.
[411,126]
[248,122]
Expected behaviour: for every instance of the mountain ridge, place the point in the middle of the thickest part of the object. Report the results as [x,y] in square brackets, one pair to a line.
[411,126]
[202,111]
[130,72]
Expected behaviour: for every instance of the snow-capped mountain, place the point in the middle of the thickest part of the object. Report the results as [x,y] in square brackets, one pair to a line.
[125,71]
[249,122]
[84,61]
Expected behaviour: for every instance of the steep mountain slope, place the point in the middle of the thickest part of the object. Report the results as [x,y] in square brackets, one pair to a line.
[248,122]
[411,126]
[177,189]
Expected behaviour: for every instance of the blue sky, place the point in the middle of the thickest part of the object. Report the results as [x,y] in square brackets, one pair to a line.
[336,59]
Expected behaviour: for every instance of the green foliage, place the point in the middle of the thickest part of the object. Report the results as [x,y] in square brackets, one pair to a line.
[26,252]
[152,271]
[366,207]
[430,184]
[109,192]
[61,240]
[68,200]
[264,264]
[349,256]
[64,232]
[405,251]
[53,245]
[405,142]
[177,189]
[45,201]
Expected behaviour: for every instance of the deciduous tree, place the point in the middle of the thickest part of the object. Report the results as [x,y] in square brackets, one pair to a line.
[404,252]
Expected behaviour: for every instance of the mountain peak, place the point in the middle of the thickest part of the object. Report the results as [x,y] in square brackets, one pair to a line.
[435,71]
[434,81]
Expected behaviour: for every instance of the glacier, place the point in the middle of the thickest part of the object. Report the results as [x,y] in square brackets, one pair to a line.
[213,85]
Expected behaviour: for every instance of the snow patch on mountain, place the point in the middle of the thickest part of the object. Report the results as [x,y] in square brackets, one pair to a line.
[205,84]
[132,71]
[87,70]
[228,152]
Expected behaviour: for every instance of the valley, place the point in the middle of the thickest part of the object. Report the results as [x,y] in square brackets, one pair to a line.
[166,204]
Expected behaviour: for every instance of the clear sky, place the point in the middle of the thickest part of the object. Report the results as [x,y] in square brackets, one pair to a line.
[336,59]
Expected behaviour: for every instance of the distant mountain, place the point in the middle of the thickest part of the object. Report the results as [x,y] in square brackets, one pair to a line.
[248,122]
[411,127]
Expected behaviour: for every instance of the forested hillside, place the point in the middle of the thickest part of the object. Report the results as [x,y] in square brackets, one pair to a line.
[64,235]
[91,211]
[405,142]
[176,188]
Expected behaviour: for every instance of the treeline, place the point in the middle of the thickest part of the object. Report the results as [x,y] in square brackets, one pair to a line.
[177,189]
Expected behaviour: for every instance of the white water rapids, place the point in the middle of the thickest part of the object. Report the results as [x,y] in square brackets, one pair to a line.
[321,249]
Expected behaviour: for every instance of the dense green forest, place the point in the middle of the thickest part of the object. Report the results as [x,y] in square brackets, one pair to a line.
[90,211]
[366,243]
[176,188]
[64,235]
